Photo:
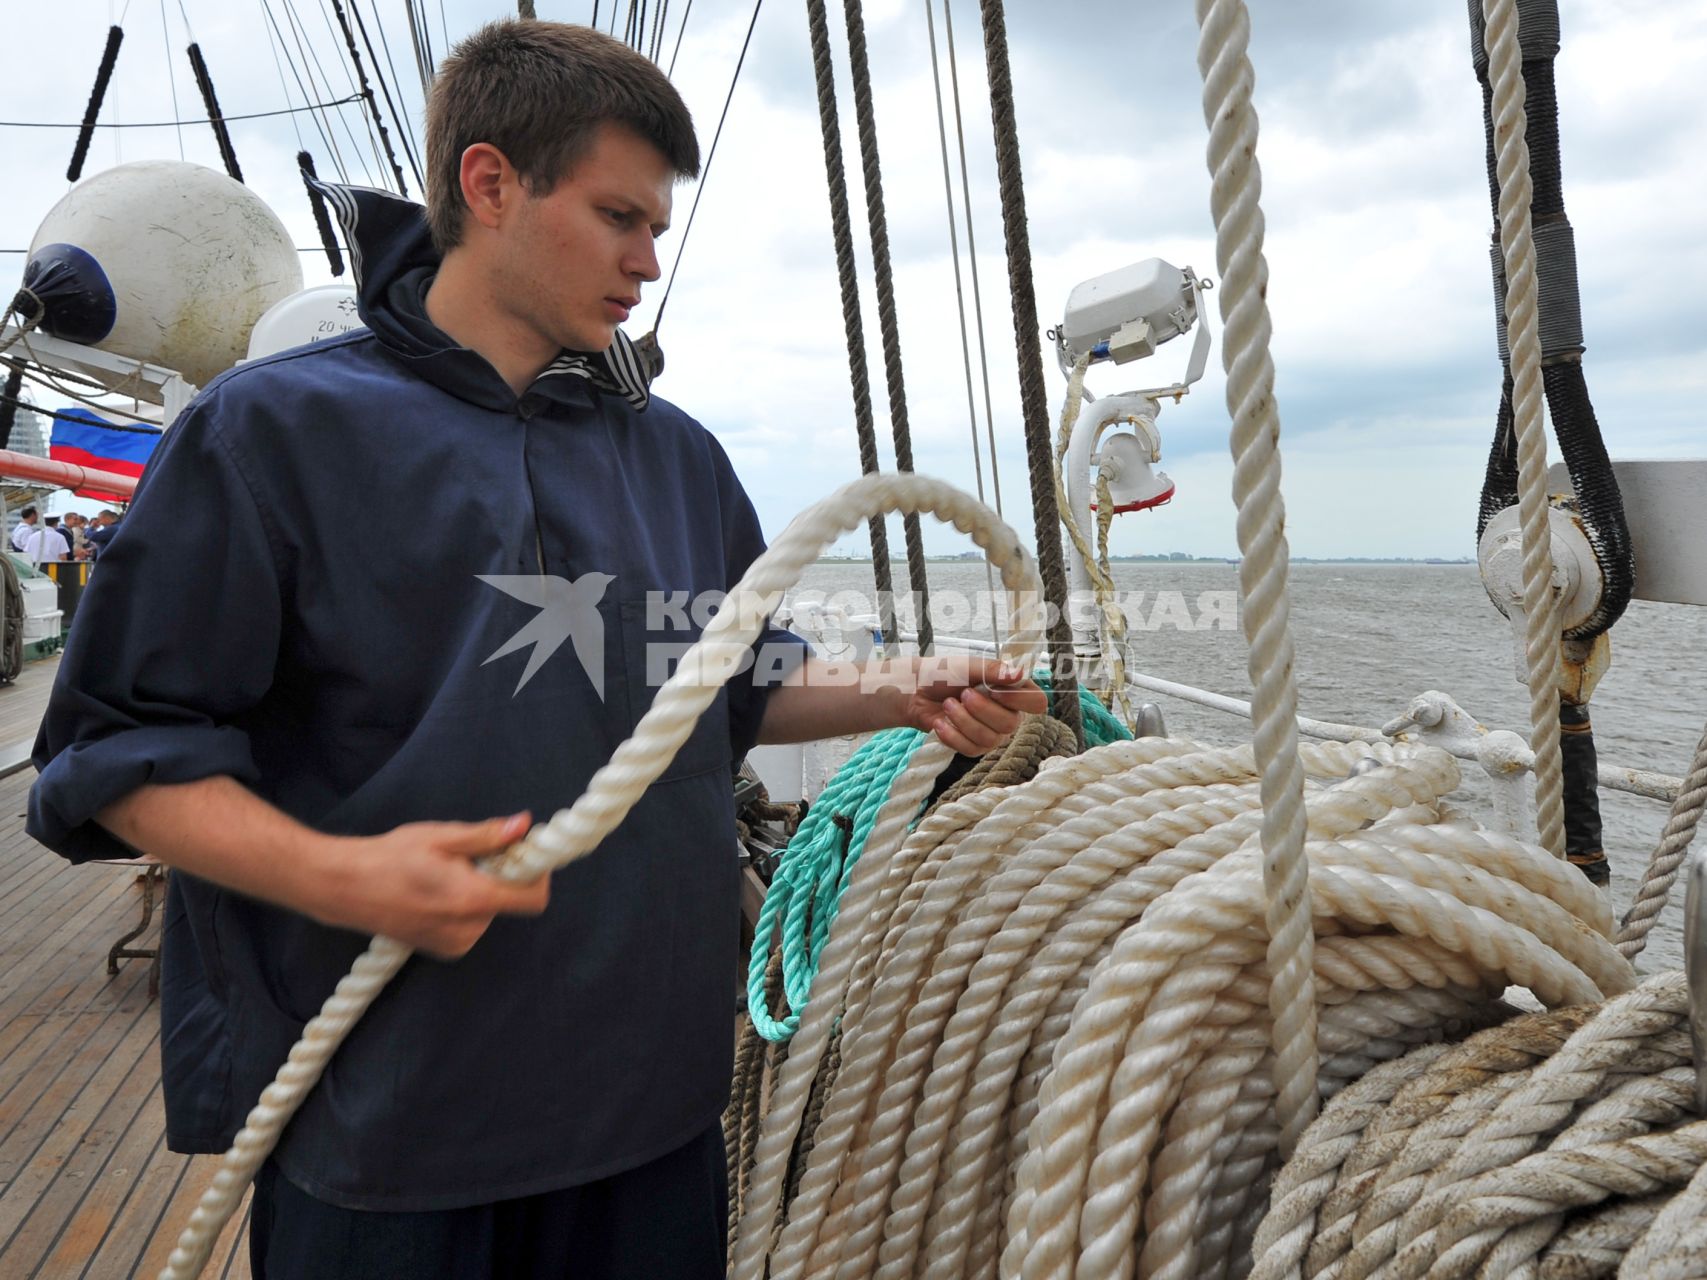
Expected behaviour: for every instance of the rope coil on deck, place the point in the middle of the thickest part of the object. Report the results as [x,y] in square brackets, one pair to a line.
[574,832]
[1052,1001]
[1558,1144]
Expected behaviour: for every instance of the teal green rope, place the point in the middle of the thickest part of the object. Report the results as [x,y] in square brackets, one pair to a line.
[812,873]
[1102,726]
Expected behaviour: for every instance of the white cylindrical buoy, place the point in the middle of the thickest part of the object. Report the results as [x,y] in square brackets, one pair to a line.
[312,315]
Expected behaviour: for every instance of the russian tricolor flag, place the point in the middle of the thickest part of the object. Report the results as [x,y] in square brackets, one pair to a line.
[92,441]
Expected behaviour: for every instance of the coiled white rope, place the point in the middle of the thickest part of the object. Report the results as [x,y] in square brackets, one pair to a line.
[1053,1008]
[574,832]
[1235,189]
[1553,1145]
[1523,341]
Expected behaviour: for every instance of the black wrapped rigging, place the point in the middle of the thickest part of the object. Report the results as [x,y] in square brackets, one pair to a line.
[221,135]
[109,56]
[322,219]
[1599,506]
[1596,488]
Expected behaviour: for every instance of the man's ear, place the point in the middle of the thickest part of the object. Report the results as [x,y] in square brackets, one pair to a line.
[490,184]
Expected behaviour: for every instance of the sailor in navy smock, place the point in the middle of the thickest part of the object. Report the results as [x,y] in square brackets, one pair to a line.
[238,625]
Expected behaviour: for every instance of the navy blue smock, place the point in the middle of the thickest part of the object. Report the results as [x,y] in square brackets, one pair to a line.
[296,600]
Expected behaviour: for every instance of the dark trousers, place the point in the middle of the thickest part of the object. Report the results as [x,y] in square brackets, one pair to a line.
[663,1221]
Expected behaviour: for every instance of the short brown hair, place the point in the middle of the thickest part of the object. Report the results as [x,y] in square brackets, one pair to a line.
[538,91]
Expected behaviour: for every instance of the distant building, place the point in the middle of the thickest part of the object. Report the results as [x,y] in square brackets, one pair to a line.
[30,432]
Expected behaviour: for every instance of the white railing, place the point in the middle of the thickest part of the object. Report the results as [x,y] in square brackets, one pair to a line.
[1432,717]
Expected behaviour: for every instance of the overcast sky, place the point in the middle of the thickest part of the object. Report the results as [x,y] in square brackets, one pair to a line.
[1374,193]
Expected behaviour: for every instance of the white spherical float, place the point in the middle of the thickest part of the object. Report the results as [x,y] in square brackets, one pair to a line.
[162,261]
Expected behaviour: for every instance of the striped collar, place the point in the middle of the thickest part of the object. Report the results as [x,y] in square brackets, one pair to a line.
[389,233]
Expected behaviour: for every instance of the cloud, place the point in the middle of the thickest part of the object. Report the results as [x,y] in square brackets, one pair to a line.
[1375,201]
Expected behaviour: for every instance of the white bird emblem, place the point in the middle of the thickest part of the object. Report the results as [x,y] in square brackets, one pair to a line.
[568,611]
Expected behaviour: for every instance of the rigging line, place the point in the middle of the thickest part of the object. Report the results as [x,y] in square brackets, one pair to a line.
[18,402]
[170,124]
[628,24]
[594,24]
[414,43]
[279,66]
[444,29]
[76,379]
[403,130]
[972,253]
[404,125]
[705,173]
[349,75]
[847,281]
[432,58]
[686,10]
[959,293]
[319,120]
[367,91]
[657,42]
[41,378]
[894,374]
[312,55]
[1028,345]
[188,29]
[171,75]
[325,79]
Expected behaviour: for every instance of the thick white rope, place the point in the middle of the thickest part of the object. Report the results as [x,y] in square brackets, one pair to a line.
[1113,907]
[1523,341]
[1235,189]
[574,832]
[1667,859]
[1471,1161]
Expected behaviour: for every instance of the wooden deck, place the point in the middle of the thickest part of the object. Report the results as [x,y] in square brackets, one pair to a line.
[87,1187]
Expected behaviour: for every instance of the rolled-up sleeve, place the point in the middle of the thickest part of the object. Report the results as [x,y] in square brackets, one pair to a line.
[176,640]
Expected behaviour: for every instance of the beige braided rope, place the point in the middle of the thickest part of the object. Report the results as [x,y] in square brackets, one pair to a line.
[1113,1078]
[1015,816]
[1523,340]
[1674,1245]
[1157,820]
[615,788]
[1546,1147]
[991,960]
[1667,858]
[1236,185]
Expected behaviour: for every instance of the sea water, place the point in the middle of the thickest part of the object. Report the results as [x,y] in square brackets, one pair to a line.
[1369,638]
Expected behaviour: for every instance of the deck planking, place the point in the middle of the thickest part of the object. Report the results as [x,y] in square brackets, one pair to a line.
[88,1190]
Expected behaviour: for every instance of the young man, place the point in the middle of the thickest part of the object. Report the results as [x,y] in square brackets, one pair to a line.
[316,742]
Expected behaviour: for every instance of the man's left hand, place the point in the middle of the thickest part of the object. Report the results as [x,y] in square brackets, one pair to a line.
[973,704]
